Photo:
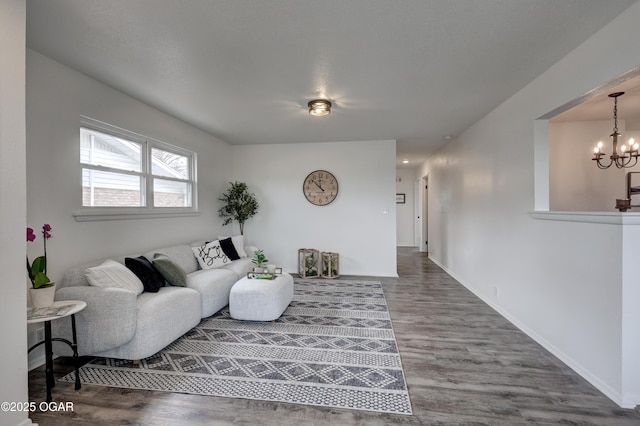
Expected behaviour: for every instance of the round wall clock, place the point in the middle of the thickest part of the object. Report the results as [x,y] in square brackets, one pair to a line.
[320,187]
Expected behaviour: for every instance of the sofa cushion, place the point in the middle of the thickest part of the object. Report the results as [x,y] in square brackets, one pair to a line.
[240,267]
[161,318]
[229,249]
[76,276]
[210,255]
[111,274]
[151,279]
[170,270]
[214,286]
[180,254]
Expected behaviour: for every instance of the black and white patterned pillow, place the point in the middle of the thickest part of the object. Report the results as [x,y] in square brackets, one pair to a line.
[210,255]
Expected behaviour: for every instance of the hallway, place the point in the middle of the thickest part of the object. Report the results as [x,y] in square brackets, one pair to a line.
[466,364]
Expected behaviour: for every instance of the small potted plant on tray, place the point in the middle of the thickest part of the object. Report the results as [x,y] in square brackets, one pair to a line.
[259,259]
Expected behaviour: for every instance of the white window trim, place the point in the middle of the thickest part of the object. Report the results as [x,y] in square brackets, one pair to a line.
[117,213]
[88,214]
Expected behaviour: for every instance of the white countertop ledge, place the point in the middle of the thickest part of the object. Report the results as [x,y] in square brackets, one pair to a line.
[607,218]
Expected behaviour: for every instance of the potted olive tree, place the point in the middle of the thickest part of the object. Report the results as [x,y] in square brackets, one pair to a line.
[239,204]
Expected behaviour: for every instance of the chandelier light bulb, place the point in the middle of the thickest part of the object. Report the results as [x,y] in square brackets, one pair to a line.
[600,145]
[596,150]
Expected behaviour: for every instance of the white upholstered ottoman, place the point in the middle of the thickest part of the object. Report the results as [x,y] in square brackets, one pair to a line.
[260,300]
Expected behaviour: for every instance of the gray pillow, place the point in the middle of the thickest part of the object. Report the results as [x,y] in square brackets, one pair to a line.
[170,270]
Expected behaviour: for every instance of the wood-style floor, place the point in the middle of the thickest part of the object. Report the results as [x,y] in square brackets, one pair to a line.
[464,365]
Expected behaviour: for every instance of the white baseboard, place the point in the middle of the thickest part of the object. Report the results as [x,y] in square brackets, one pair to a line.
[36,361]
[630,401]
[624,401]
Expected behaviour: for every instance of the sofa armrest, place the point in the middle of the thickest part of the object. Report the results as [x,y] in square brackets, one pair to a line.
[108,321]
[250,250]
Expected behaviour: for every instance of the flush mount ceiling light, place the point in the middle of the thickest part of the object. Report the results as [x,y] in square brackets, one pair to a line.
[628,156]
[319,107]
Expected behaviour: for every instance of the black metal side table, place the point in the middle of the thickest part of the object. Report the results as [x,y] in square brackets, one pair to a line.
[58,310]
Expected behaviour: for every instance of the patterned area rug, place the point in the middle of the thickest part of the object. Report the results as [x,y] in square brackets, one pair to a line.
[334,346]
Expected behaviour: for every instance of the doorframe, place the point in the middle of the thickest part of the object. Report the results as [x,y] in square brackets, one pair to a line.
[422,233]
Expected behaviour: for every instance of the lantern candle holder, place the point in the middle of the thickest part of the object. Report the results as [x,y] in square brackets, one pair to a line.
[308,261]
[330,265]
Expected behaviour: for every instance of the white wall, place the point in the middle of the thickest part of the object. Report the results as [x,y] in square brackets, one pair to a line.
[564,283]
[57,96]
[360,224]
[575,183]
[406,213]
[13,297]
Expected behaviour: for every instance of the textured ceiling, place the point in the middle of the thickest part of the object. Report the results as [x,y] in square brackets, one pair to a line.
[244,70]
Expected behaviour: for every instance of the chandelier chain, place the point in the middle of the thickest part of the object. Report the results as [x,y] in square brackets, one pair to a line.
[615,114]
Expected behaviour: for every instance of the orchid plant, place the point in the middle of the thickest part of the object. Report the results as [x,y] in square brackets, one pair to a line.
[38,269]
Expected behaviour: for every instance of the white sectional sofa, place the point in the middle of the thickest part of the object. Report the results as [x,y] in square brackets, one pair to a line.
[119,323]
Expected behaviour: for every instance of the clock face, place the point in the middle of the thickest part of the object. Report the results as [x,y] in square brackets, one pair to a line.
[320,187]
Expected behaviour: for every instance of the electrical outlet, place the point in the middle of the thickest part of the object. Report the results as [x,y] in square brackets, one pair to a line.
[496,292]
[40,334]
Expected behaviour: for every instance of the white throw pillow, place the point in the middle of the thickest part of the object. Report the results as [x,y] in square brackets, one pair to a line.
[111,274]
[238,243]
[211,255]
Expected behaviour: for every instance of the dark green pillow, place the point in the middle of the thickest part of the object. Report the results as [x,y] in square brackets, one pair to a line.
[170,270]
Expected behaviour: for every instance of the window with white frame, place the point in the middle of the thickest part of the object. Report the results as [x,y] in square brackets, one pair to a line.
[126,170]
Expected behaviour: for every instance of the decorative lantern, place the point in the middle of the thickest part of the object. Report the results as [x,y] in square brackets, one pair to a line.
[308,261]
[330,265]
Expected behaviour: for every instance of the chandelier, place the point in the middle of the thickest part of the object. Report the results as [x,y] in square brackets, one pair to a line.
[628,154]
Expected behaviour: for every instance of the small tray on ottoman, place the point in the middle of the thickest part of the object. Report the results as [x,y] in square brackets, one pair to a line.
[260,276]
[260,273]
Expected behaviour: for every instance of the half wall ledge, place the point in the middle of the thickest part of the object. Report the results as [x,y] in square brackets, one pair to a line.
[606,218]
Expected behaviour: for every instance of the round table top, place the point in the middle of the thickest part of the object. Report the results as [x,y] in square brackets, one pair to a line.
[59,309]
